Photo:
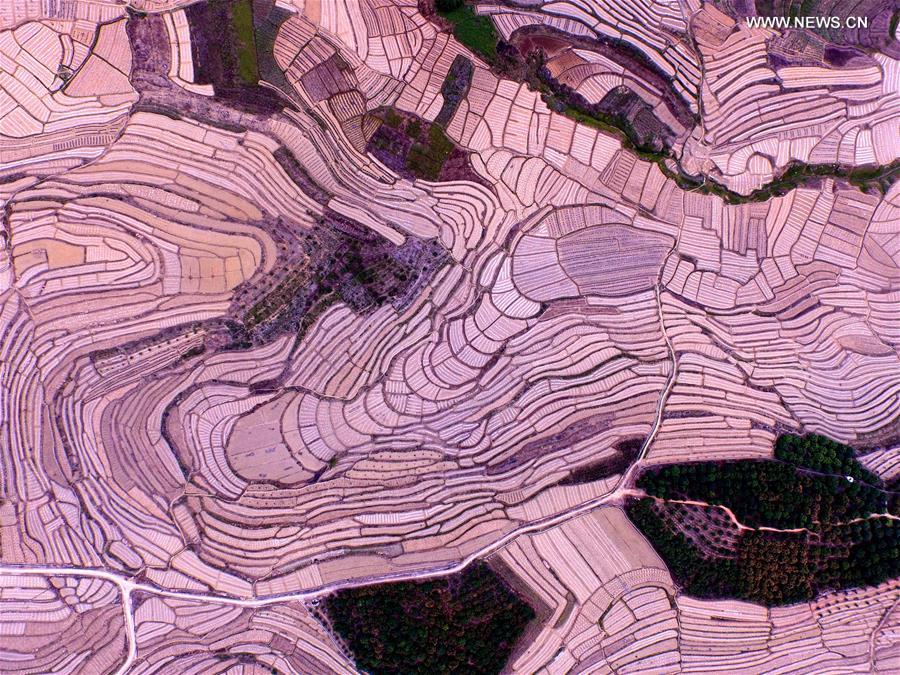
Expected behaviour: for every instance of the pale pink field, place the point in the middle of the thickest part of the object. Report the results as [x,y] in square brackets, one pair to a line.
[250,357]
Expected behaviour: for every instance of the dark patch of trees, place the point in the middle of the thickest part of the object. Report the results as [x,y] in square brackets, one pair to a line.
[455,87]
[824,455]
[223,43]
[775,568]
[466,623]
[426,158]
[844,544]
[767,493]
[619,109]
[698,575]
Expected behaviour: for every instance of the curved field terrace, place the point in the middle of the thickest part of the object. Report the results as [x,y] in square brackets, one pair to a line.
[343,336]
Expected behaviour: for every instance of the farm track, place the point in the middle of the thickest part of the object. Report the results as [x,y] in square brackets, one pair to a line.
[764,528]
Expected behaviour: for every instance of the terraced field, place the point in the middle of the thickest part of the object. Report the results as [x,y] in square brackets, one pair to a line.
[314,306]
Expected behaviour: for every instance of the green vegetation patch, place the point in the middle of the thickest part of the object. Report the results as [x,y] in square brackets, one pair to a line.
[867,179]
[814,486]
[415,148]
[425,160]
[223,45]
[610,114]
[337,260]
[454,88]
[278,299]
[467,623]
[363,274]
[245,41]
[474,31]
[698,574]
[392,118]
